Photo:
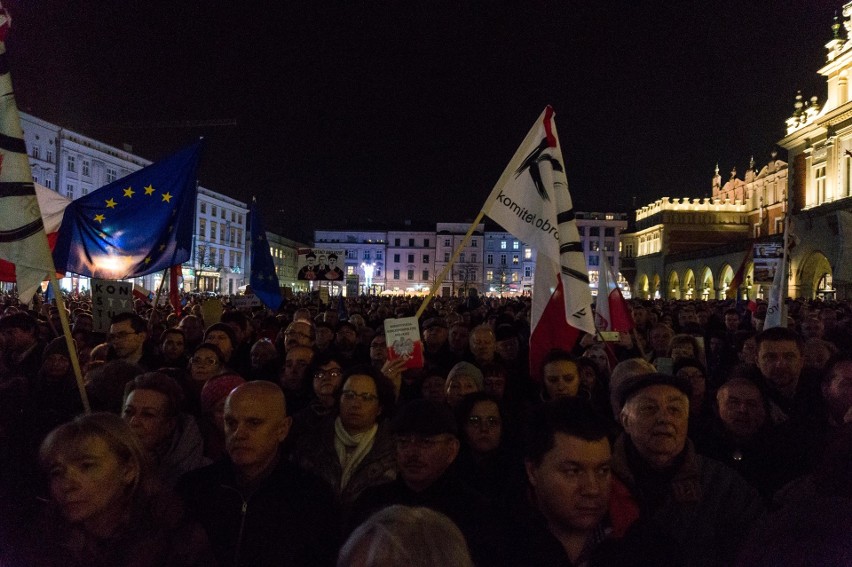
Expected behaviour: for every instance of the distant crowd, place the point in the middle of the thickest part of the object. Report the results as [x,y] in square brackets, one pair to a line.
[290,438]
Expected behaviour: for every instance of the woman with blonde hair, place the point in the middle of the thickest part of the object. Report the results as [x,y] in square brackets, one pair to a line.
[106,506]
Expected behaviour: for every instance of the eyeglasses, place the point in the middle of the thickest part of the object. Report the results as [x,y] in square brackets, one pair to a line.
[419,442]
[320,374]
[489,421]
[350,396]
[121,335]
[204,361]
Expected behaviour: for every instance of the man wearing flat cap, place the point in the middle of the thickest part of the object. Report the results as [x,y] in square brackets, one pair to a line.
[705,507]
[426,446]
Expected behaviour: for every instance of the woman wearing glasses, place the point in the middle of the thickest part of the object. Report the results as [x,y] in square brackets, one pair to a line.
[486,460]
[354,450]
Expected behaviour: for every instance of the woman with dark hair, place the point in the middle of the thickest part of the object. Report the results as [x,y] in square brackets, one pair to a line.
[206,362]
[592,386]
[354,450]
[326,374]
[486,461]
[106,507]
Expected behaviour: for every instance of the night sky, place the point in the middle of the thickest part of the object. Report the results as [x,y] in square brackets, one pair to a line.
[393,110]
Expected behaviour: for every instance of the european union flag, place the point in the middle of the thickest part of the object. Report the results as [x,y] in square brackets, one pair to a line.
[139,224]
[263,279]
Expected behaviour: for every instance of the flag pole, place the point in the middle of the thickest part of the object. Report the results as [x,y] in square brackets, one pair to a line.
[69,342]
[440,279]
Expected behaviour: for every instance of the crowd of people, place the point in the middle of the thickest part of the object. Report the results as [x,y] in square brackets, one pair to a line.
[290,438]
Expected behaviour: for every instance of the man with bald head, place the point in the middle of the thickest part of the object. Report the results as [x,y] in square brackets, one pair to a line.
[257,508]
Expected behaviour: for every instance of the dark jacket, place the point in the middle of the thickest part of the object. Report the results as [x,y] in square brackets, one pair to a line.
[315,452]
[289,519]
[705,507]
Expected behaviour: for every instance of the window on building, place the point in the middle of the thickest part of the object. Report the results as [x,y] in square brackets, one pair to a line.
[396,241]
[366,254]
[86,169]
[527,271]
[411,242]
[515,259]
[594,260]
[396,274]
[351,254]
[350,270]
[233,216]
[502,245]
[84,191]
[203,207]
[822,197]
[594,245]
[202,228]
[425,243]
[69,191]
[48,182]
[489,275]
[461,257]
[240,219]
[594,231]
[379,254]
[516,245]
[527,253]
[611,260]
[49,158]
[213,210]
[515,277]
[111,175]
[425,275]
[378,272]
[502,259]
[411,258]
[239,237]
[628,250]
[71,164]
[474,243]
[425,258]
[222,234]
[410,275]
[609,231]
[446,256]
[447,242]
[239,259]
[473,257]
[214,227]
[396,258]
[489,259]
[36,152]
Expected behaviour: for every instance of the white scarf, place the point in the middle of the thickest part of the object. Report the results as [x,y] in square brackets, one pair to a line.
[351,449]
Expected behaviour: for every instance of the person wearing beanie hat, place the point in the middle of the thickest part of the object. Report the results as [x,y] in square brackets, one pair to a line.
[698,502]
[223,336]
[22,347]
[212,422]
[464,378]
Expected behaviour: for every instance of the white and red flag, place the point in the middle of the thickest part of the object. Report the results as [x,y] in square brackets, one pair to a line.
[611,310]
[531,201]
[22,238]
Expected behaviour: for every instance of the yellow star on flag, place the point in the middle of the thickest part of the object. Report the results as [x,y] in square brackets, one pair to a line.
[110,203]
[129,192]
[167,197]
[149,190]
[162,247]
[148,260]
[99,218]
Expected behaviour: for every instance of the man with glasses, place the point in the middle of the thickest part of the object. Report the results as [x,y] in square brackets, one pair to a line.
[427,444]
[299,333]
[126,339]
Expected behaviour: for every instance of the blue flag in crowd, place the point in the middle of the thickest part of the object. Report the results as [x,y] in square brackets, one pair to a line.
[263,280]
[139,224]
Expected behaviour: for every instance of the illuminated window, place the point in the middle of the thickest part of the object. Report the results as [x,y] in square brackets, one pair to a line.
[350,270]
[502,245]
[527,253]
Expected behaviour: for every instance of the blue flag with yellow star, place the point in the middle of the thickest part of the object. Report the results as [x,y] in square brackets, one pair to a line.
[263,280]
[136,225]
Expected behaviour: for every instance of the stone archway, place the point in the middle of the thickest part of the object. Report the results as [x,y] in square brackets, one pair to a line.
[708,292]
[657,288]
[642,287]
[815,277]
[673,288]
[726,276]
[688,289]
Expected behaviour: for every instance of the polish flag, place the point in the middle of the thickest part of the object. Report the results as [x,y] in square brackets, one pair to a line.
[611,310]
[52,206]
[532,202]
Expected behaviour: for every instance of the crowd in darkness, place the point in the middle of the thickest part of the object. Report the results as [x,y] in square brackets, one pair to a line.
[290,438]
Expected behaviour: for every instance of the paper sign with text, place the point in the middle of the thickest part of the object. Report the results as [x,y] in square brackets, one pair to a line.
[403,339]
[109,298]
